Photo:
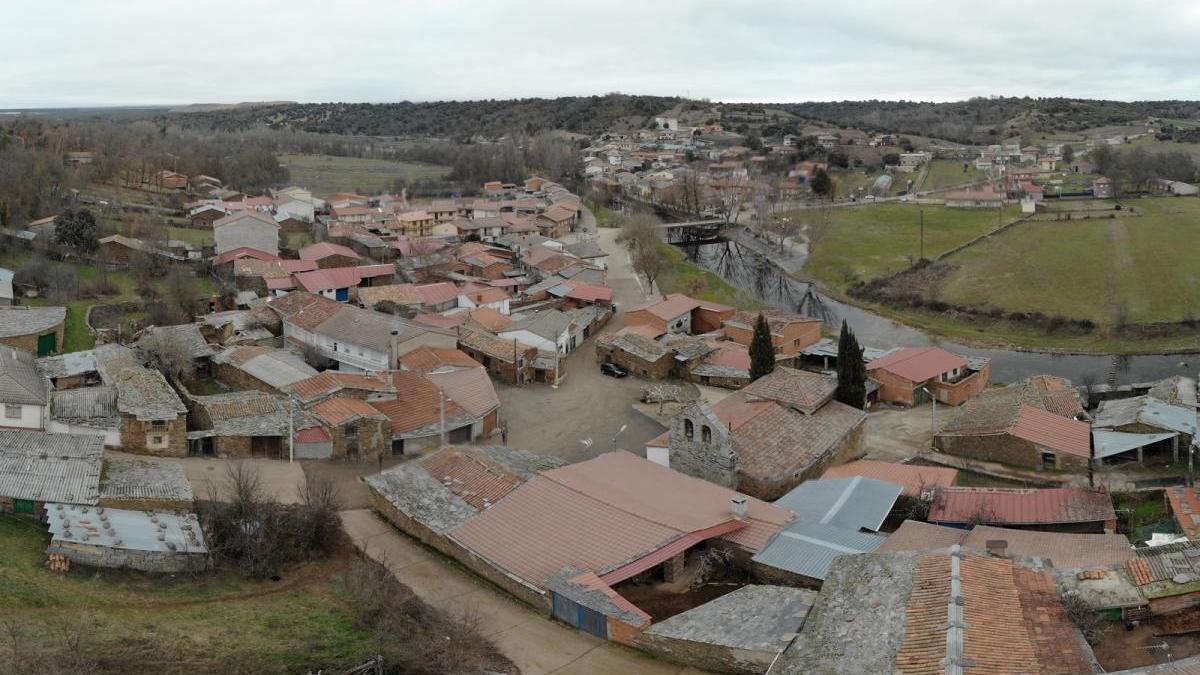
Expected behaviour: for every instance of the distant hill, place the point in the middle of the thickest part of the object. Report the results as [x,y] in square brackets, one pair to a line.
[977,120]
[450,119]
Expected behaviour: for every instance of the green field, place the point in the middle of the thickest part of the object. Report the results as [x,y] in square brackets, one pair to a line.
[217,623]
[866,242]
[944,173]
[324,174]
[1112,271]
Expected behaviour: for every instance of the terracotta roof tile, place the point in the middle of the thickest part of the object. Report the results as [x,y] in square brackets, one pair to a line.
[918,364]
[911,477]
[339,410]
[1009,506]
[797,389]
[331,382]
[417,404]
[425,359]
[324,249]
[1185,506]
[478,480]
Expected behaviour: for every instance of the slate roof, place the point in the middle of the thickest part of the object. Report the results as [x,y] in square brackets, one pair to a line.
[20,380]
[186,335]
[918,364]
[94,407]
[796,389]
[894,612]
[603,514]
[50,467]
[67,365]
[911,478]
[145,394]
[23,320]
[1021,506]
[753,618]
[145,478]
[278,368]
[434,489]
[249,413]
[632,343]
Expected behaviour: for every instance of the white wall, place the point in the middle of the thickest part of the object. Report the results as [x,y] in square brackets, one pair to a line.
[32,417]
[659,456]
[530,340]
[112,437]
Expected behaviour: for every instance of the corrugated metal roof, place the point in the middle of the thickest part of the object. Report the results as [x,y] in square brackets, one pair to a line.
[1109,443]
[808,548]
[50,467]
[853,503]
[1148,411]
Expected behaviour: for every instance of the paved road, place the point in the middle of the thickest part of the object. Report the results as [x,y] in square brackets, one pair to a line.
[533,641]
[589,413]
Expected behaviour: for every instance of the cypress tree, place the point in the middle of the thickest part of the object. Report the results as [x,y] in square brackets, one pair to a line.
[762,351]
[851,371]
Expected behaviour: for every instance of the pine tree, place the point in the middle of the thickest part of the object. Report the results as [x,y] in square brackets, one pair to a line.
[762,351]
[821,183]
[851,372]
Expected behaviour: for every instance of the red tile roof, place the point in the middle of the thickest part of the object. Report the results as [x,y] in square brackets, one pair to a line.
[479,480]
[328,279]
[1185,506]
[316,434]
[910,477]
[603,514]
[918,364]
[424,359]
[305,310]
[668,308]
[400,294]
[1007,506]
[339,410]
[490,319]
[331,382]
[1061,434]
[590,293]
[442,320]
[436,294]
[242,252]
[418,403]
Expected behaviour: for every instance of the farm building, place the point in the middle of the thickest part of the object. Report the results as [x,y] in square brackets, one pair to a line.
[150,541]
[739,632]
[1063,550]
[36,468]
[1148,426]
[912,375]
[37,330]
[791,333]
[974,199]
[913,479]
[1052,509]
[145,484]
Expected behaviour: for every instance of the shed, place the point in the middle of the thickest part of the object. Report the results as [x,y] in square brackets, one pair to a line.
[150,541]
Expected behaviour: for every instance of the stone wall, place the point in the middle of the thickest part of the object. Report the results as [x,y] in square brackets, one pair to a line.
[710,459]
[239,380]
[146,561]
[29,343]
[374,437]
[1006,449]
[705,656]
[772,488]
[134,433]
[653,370]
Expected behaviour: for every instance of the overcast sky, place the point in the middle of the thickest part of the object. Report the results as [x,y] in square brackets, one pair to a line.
[130,52]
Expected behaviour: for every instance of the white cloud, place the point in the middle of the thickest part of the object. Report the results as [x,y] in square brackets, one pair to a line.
[153,52]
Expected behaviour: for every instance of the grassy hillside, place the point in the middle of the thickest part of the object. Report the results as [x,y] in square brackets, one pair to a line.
[326,173]
[867,242]
[1123,270]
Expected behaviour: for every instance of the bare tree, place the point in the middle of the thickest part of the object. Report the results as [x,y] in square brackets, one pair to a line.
[169,357]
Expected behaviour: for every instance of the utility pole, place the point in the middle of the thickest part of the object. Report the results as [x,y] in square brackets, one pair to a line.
[291,438]
[922,255]
[442,416]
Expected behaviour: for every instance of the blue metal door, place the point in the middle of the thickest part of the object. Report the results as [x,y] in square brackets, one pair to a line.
[343,294]
[586,620]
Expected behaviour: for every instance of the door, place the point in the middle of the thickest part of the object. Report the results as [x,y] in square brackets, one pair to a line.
[23,506]
[586,620]
[343,294]
[47,344]
[920,395]
[460,435]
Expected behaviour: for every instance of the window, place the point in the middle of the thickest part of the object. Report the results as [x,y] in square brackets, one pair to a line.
[351,431]
[156,441]
[689,430]
[12,411]
[706,434]
[158,425]
[1049,460]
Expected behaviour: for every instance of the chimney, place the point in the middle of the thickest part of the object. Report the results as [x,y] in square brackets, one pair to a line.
[738,508]
[997,547]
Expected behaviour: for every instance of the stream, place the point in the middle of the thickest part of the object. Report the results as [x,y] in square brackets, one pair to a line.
[760,278]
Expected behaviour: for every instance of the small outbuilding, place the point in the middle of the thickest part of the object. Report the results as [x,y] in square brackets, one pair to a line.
[150,541]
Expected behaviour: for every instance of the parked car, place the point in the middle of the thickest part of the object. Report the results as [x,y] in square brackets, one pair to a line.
[613,370]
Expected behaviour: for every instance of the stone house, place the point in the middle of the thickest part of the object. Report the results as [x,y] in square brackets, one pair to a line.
[153,419]
[242,424]
[909,376]
[265,369]
[638,354]
[359,431]
[508,360]
[205,215]
[37,330]
[1031,424]
[766,438]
